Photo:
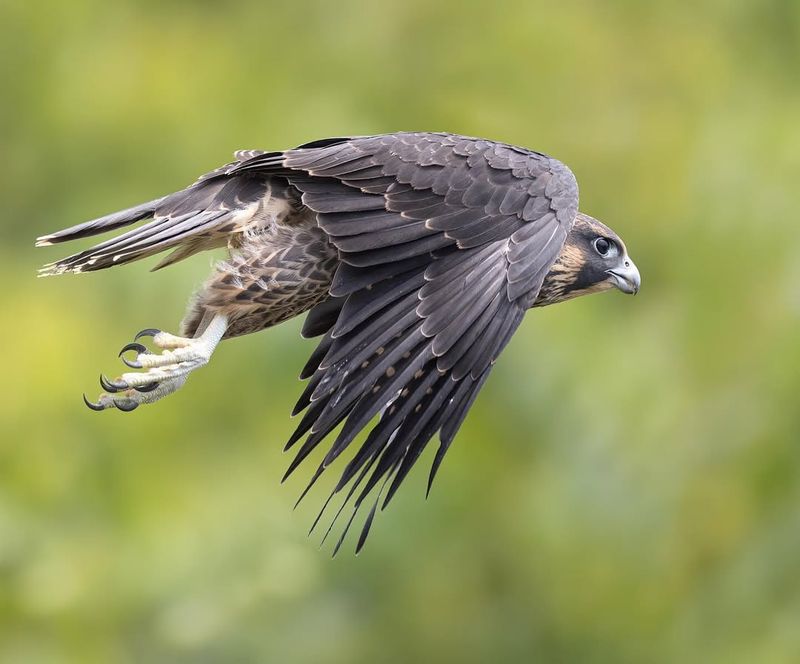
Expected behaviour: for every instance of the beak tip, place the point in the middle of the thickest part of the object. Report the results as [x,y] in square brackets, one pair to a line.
[627,278]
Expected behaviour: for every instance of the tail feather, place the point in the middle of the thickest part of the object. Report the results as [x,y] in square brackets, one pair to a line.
[103,224]
[203,216]
[147,240]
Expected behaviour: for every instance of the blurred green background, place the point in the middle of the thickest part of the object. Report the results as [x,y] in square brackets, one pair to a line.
[627,486]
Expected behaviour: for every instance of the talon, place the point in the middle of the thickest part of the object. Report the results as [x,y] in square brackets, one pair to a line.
[133,364]
[92,405]
[148,332]
[125,407]
[147,388]
[112,386]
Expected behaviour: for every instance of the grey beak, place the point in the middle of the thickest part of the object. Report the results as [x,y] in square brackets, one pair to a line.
[626,277]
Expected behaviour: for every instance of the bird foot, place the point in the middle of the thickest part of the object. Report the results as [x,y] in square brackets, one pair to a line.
[164,372]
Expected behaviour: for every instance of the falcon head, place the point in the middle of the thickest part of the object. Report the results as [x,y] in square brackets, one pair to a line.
[593,259]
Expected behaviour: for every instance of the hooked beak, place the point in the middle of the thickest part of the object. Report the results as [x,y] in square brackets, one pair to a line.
[626,277]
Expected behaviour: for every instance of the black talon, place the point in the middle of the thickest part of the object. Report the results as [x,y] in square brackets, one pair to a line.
[112,386]
[148,332]
[125,407]
[149,387]
[92,405]
[133,364]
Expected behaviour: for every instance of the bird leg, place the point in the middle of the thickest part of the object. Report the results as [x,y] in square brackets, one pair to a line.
[164,373]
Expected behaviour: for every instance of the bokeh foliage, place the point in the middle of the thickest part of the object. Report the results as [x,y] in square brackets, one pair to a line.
[627,487]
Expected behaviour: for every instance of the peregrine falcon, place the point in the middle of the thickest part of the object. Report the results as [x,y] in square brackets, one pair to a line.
[416,256]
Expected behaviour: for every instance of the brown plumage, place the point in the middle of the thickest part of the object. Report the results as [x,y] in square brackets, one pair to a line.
[417,255]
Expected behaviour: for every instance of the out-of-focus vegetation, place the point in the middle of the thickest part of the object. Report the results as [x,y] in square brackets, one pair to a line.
[627,487]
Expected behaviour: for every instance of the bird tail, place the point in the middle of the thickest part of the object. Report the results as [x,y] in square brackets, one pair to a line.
[202,216]
[123,248]
[108,222]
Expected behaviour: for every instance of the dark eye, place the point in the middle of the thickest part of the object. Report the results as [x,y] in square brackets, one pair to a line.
[602,245]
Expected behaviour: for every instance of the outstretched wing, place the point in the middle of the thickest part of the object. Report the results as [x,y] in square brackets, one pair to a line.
[444,242]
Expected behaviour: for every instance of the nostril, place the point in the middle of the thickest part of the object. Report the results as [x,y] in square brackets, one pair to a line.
[627,263]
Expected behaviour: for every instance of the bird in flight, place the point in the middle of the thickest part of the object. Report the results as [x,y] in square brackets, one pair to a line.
[416,256]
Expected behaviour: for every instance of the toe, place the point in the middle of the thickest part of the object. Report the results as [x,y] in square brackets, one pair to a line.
[125,405]
[147,332]
[112,386]
[139,348]
[94,406]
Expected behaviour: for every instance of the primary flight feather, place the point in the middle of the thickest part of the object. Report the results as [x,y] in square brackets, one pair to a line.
[416,256]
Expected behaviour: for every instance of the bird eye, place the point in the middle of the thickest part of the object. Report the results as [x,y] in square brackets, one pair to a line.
[602,245]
